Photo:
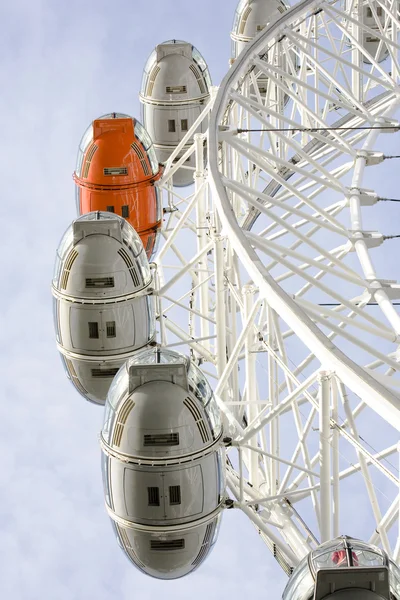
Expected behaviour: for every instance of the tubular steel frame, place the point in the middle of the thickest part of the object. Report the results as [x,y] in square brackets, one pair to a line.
[265,277]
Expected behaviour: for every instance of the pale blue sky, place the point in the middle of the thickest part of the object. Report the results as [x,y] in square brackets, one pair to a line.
[63,64]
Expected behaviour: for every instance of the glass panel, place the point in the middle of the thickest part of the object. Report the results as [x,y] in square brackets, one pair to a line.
[151,315]
[85,142]
[77,200]
[301,583]
[153,160]
[131,239]
[115,115]
[198,384]
[151,61]
[142,135]
[366,556]
[109,415]
[199,60]
[337,557]
[117,535]
[106,484]
[64,364]
[62,251]
[238,12]
[394,579]
[148,357]
[159,203]
[118,391]
[55,318]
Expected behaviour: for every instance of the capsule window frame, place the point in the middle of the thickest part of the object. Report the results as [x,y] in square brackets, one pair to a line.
[174,495]
[171,126]
[94,332]
[153,496]
[184,125]
[111,329]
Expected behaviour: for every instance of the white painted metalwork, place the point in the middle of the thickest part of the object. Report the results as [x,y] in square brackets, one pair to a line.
[277,277]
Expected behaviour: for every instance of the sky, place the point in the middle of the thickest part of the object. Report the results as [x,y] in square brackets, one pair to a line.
[62,65]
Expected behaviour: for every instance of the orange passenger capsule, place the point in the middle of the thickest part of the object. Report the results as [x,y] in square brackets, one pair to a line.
[116,171]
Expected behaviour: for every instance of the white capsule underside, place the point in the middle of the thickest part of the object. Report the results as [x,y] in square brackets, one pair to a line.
[163,474]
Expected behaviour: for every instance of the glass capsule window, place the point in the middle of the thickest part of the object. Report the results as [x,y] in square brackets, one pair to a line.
[86,140]
[105,466]
[117,393]
[301,583]
[346,552]
[62,251]
[201,63]
[152,356]
[147,143]
[149,66]
[394,579]
[142,135]
[238,13]
[131,238]
[109,417]
[200,387]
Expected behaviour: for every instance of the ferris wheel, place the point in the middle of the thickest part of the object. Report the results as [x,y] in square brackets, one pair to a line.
[266,274]
[256,359]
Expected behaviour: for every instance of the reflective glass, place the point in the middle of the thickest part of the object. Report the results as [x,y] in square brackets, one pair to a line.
[151,315]
[117,535]
[64,364]
[62,251]
[77,199]
[118,389]
[199,60]
[332,558]
[394,579]
[142,135]
[364,558]
[151,61]
[148,357]
[198,384]
[239,10]
[157,242]
[55,319]
[131,238]
[105,461]
[159,203]
[116,115]
[301,583]
[153,160]
[86,140]
[109,414]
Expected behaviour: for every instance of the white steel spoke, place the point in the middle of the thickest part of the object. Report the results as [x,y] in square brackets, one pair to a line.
[270,278]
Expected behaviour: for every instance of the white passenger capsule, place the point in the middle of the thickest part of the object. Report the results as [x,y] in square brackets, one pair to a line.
[101,311]
[372,15]
[175,88]
[163,463]
[344,569]
[251,17]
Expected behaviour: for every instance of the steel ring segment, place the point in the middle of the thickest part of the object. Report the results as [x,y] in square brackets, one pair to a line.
[376,395]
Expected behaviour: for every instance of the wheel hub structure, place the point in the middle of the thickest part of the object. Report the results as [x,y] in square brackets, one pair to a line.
[275,273]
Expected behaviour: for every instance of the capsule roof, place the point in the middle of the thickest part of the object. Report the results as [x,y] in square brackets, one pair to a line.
[181,397]
[341,552]
[175,71]
[101,256]
[116,150]
[251,16]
